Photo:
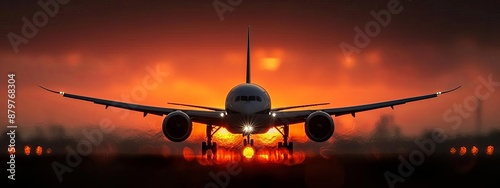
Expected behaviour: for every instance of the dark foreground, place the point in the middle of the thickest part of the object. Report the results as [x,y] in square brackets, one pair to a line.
[337,171]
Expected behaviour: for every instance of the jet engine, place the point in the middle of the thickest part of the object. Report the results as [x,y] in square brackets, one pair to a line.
[319,126]
[177,126]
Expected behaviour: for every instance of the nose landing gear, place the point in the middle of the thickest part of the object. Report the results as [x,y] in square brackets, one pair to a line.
[247,140]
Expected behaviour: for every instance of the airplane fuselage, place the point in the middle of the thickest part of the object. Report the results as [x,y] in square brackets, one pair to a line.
[248,109]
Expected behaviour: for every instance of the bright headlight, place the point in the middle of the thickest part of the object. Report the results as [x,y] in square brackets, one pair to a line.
[247,128]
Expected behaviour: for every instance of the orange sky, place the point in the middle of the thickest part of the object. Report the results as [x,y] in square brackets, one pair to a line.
[102,51]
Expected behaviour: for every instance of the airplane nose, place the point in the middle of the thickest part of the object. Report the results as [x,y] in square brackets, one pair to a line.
[248,108]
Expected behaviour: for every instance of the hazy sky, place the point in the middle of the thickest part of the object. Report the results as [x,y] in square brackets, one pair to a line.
[108,49]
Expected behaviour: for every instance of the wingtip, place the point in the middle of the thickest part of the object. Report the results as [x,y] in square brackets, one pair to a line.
[49,90]
[443,92]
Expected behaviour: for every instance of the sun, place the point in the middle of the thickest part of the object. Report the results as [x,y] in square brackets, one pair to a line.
[270,63]
[248,152]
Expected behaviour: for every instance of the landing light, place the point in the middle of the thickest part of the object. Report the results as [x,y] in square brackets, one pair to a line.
[222,114]
[247,128]
[273,114]
[489,150]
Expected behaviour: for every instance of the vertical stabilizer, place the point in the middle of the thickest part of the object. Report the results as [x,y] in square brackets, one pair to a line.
[248,56]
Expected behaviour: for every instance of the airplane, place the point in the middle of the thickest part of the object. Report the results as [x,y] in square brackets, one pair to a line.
[248,111]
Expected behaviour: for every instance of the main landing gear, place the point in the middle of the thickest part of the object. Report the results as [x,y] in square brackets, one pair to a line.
[209,145]
[285,144]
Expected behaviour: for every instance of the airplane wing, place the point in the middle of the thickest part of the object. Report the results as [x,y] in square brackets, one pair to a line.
[291,117]
[298,106]
[197,106]
[205,117]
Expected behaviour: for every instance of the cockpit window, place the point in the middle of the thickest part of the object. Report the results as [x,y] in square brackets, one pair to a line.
[244,98]
[247,98]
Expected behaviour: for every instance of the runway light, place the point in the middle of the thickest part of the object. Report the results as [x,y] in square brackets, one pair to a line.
[39,150]
[453,150]
[12,150]
[49,151]
[474,150]
[489,150]
[188,154]
[27,150]
[247,128]
[463,151]
[248,152]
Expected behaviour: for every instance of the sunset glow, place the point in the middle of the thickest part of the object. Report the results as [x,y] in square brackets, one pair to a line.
[248,152]
[225,138]
[223,156]
[282,156]
[270,138]
[270,63]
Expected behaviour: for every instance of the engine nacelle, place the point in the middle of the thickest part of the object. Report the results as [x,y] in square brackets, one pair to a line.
[319,126]
[177,126]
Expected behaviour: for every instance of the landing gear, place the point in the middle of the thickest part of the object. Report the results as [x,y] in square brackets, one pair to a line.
[209,145]
[247,140]
[285,144]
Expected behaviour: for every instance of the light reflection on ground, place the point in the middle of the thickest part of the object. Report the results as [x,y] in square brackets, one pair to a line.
[235,155]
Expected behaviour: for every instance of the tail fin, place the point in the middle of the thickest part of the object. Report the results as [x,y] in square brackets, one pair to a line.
[248,56]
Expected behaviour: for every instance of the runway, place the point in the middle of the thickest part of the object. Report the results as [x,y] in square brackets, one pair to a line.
[338,171]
